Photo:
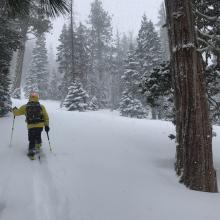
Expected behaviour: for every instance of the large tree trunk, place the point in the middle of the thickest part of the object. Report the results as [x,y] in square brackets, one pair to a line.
[16,93]
[194,162]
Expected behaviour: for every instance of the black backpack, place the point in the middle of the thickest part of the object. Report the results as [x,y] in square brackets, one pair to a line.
[34,113]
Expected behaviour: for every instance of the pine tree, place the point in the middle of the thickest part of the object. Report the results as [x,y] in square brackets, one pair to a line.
[42,66]
[157,88]
[148,51]
[38,77]
[100,40]
[117,68]
[5,100]
[158,91]
[31,83]
[149,46]
[125,44]
[64,60]
[131,77]
[131,107]
[130,104]
[30,44]
[51,61]
[9,41]
[93,104]
[82,54]
[54,87]
[77,97]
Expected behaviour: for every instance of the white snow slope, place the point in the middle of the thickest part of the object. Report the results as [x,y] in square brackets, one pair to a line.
[105,167]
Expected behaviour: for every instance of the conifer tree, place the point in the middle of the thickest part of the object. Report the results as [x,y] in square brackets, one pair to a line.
[131,107]
[9,41]
[132,77]
[149,47]
[93,104]
[51,61]
[125,44]
[77,97]
[31,83]
[64,61]
[157,89]
[130,104]
[5,100]
[82,54]
[43,71]
[117,68]
[54,86]
[38,77]
[148,51]
[100,39]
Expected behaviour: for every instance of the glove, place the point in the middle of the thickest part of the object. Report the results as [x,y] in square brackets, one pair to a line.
[47,128]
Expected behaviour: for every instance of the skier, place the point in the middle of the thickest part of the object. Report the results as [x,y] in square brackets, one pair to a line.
[36,119]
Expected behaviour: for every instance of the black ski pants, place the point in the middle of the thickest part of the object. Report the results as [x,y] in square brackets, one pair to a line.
[34,137]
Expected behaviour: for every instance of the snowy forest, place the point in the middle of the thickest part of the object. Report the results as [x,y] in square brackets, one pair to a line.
[92,68]
[161,83]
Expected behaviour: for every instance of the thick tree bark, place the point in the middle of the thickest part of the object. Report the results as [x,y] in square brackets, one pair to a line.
[194,162]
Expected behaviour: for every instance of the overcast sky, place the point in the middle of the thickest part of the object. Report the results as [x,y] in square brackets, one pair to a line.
[126,15]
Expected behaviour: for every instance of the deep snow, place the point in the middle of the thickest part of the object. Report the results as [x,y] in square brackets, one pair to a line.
[105,167]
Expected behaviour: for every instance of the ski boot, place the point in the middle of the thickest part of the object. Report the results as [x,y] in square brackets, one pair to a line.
[31,154]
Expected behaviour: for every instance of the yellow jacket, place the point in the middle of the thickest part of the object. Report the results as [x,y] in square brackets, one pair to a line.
[22,111]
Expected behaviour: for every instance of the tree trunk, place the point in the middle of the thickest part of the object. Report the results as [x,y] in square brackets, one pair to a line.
[16,93]
[72,39]
[194,162]
[154,113]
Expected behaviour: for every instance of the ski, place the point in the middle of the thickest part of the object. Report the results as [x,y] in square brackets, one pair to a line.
[37,155]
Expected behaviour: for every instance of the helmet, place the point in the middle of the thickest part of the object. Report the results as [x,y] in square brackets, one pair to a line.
[33,97]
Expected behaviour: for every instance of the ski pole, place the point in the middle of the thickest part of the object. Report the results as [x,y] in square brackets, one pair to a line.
[49,141]
[12,131]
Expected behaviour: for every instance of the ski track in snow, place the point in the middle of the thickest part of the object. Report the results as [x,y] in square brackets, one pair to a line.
[104,167]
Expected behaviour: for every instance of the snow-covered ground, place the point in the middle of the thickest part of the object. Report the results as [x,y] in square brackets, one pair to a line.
[105,167]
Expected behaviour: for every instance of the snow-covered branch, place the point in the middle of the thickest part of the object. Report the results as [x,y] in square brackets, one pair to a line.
[183,46]
[210,36]
[209,18]
[210,45]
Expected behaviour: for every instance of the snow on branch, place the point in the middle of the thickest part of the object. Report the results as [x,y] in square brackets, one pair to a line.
[210,36]
[183,46]
[209,18]
[177,14]
[209,44]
